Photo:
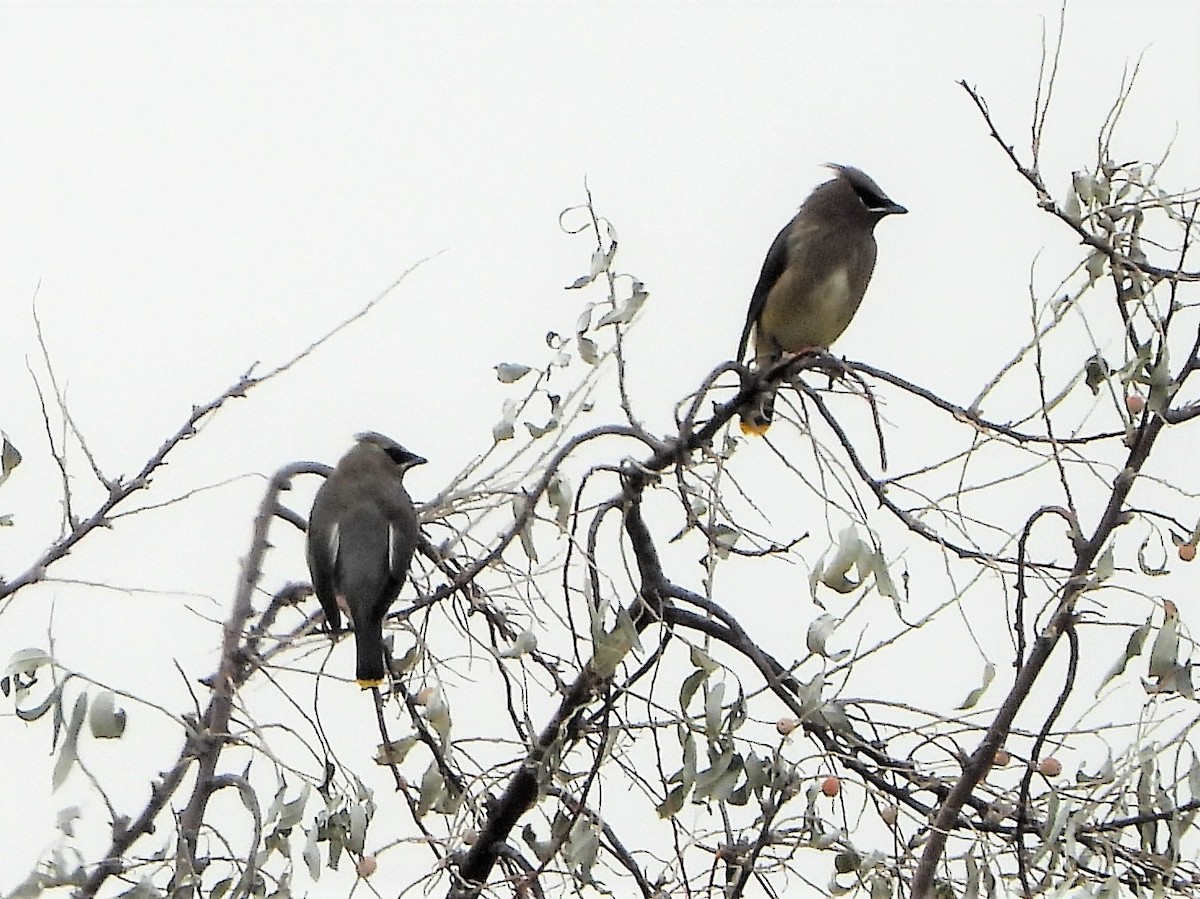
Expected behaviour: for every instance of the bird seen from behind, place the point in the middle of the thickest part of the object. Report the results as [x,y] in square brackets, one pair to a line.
[362,532]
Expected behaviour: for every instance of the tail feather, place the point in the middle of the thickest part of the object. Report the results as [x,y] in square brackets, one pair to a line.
[368,641]
[756,415]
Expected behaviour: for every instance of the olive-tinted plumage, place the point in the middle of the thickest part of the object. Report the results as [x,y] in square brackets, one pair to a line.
[362,531]
[814,277]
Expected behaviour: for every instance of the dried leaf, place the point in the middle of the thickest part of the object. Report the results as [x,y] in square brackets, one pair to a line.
[1133,648]
[819,632]
[10,457]
[525,642]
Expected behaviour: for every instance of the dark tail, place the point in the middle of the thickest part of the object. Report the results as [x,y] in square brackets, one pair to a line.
[368,640]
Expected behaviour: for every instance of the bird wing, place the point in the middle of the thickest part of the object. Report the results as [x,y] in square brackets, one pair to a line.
[772,267]
[322,566]
[820,252]
[403,530]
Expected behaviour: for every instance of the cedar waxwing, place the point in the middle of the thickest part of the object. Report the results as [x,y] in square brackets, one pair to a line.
[361,535]
[814,277]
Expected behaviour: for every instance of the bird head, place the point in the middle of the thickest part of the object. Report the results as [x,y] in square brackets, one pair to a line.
[855,188]
[373,441]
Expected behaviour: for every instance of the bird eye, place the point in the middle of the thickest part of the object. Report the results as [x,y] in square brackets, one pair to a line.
[870,199]
[397,454]
[405,459]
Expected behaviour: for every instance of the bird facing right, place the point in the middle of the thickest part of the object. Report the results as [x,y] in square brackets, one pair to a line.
[813,278]
[362,531]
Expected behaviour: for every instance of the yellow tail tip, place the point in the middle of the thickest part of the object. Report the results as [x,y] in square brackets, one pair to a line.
[754,429]
[368,684]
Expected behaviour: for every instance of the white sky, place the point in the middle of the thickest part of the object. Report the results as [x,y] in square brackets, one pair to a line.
[190,189]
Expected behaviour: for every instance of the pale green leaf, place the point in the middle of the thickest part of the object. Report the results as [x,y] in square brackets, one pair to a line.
[68,752]
[106,721]
[989,673]
[508,372]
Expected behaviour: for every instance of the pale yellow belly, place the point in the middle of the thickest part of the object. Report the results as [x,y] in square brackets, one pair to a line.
[793,320]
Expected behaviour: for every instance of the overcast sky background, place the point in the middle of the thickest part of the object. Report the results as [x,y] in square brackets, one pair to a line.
[189,190]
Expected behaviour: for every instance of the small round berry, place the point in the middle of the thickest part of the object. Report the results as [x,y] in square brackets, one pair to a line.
[1050,767]
[423,696]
